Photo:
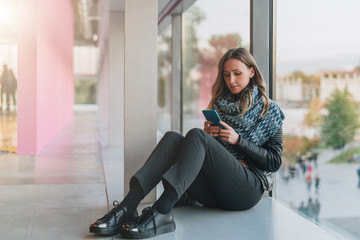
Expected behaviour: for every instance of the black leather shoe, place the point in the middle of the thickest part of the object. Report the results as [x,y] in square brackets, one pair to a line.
[111,223]
[151,223]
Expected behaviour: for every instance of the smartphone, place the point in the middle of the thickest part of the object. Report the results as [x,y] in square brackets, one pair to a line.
[212,115]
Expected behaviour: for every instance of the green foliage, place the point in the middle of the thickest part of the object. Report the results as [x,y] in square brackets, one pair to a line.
[346,156]
[191,55]
[164,66]
[222,43]
[85,91]
[340,124]
[193,17]
[295,144]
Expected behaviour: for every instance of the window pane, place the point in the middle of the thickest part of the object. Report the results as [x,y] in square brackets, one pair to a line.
[164,80]
[318,85]
[209,30]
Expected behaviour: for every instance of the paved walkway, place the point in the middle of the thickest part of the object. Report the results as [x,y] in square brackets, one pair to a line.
[338,194]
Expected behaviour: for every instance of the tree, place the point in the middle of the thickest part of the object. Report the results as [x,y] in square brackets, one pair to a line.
[340,124]
[209,59]
[164,65]
[313,117]
[191,55]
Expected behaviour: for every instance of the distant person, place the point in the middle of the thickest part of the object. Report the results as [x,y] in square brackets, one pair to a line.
[292,170]
[12,87]
[309,157]
[218,167]
[316,210]
[317,183]
[310,211]
[309,167]
[303,164]
[4,86]
[297,169]
[315,159]
[308,181]
[358,172]
[302,208]
[298,157]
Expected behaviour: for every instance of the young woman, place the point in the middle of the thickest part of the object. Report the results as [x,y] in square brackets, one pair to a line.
[219,167]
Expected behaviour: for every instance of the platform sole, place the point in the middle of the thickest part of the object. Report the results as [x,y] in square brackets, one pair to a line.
[105,231]
[150,233]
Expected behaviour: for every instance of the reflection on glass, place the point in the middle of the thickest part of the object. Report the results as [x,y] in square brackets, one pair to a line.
[85,79]
[209,30]
[8,115]
[85,90]
[8,76]
[164,80]
[8,87]
[318,86]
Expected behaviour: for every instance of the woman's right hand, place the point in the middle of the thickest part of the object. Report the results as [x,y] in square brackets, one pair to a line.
[212,130]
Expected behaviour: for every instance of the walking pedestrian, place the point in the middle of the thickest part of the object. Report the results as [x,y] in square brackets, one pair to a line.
[317,183]
[12,86]
[4,81]
[308,181]
[310,209]
[302,209]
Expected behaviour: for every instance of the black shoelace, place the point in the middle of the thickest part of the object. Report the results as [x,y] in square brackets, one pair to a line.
[146,217]
[114,212]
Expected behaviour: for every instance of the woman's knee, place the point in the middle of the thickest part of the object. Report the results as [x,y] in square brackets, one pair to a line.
[195,132]
[171,135]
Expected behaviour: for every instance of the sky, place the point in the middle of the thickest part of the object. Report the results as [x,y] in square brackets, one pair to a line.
[312,35]
[221,19]
[317,35]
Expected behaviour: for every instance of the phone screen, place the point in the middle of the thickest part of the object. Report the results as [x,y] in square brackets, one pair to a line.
[212,115]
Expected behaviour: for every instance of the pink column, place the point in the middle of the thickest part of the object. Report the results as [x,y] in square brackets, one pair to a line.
[45,70]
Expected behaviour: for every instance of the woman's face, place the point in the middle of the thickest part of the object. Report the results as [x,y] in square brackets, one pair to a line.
[237,75]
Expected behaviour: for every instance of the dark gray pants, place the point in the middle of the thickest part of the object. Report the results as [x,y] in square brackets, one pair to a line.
[201,166]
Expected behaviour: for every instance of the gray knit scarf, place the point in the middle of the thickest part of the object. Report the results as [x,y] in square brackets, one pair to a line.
[251,125]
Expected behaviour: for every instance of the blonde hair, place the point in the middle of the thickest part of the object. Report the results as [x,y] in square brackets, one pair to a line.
[220,88]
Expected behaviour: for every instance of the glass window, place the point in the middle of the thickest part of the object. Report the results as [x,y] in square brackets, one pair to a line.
[85,80]
[319,93]
[8,76]
[210,28]
[164,82]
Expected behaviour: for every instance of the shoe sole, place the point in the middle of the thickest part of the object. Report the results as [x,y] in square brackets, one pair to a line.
[105,231]
[148,234]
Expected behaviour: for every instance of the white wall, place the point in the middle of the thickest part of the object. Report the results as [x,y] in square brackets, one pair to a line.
[127,96]
[140,84]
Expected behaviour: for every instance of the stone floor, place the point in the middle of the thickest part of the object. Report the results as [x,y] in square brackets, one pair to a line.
[56,194]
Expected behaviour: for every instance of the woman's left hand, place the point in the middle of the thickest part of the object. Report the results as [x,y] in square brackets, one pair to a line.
[228,134]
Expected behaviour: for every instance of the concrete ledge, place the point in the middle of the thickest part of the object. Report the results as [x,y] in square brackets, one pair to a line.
[267,220]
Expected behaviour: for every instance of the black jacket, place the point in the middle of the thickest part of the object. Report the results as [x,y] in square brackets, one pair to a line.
[264,159]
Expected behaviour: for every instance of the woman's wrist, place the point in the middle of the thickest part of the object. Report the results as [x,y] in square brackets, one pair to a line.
[237,141]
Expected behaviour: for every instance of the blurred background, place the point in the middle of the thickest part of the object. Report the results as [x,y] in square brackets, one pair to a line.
[317,85]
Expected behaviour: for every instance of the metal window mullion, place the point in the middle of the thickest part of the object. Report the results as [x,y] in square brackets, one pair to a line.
[263,45]
[176,80]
